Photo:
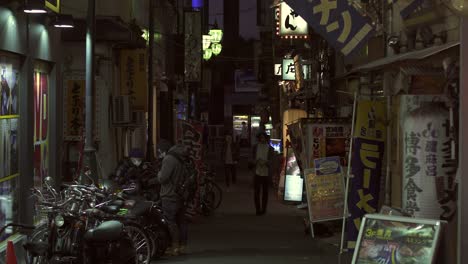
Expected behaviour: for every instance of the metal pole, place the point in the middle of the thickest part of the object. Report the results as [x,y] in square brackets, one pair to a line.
[463,134]
[348,175]
[89,150]
[26,131]
[149,146]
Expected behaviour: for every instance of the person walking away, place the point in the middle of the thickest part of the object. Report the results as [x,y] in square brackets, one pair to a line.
[244,142]
[262,155]
[231,158]
[171,176]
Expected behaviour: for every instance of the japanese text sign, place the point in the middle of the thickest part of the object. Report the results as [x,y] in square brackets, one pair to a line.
[291,24]
[133,77]
[336,21]
[288,70]
[428,169]
[367,160]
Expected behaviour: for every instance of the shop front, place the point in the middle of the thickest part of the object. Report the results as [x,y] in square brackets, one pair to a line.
[28,116]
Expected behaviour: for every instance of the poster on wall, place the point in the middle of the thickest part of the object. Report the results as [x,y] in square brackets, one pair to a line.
[6,206]
[133,77]
[397,240]
[368,154]
[41,120]
[324,140]
[8,90]
[428,170]
[325,189]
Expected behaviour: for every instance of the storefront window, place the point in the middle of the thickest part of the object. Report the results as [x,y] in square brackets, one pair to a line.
[9,118]
[41,122]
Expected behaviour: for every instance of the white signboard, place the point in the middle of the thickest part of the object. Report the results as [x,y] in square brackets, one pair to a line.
[426,156]
[293,187]
[291,24]
[288,71]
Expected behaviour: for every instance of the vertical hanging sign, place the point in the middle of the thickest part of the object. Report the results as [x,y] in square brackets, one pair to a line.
[133,77]
[367,159]
[428,171]
[339,22]
[193,46]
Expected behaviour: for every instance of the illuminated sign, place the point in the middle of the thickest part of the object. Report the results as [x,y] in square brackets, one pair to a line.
[53,5]
[290,24]
[293,185]
[288,71]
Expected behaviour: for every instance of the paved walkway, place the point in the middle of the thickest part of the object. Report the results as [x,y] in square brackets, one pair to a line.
[234,234]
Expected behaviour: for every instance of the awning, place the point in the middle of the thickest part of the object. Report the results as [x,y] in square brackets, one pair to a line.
[405,57]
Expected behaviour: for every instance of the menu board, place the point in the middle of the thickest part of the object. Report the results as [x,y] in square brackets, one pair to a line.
[325,189]
[396,240]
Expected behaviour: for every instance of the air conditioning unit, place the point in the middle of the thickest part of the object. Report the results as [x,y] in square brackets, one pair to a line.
[139,118]
[121,110]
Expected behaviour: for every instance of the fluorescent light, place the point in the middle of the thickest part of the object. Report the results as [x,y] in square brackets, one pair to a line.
[63,26]
[35,11]
[35,7]
[64,21]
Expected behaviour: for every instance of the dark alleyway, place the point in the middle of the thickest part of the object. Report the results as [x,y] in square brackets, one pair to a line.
[234,234]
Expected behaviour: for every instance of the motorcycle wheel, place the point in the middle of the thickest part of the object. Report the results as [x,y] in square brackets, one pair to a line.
[141,242]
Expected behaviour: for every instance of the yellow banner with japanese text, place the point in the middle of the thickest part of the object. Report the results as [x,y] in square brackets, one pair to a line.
[133,77]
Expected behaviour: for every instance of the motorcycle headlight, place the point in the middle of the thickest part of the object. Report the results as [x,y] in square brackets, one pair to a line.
[59,221]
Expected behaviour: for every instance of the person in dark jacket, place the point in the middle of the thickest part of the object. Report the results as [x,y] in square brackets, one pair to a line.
[171,175]
[230,156]
[262,155]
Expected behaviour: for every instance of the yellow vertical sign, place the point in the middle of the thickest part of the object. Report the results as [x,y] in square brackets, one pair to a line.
[75,109]
[371,120]
[133,77]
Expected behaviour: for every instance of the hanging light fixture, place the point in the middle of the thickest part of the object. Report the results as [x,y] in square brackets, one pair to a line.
[64,21]
[216,48]
[216,35]
[207,53]
[34,7]
[206,41]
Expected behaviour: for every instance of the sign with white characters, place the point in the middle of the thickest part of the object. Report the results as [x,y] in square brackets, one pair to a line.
[339,22]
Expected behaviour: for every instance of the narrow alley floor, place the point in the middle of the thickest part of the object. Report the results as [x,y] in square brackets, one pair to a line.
[234,234]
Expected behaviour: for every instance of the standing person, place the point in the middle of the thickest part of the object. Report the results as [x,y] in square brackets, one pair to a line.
[231,157]
[171,176]
[244,142]
[262,155]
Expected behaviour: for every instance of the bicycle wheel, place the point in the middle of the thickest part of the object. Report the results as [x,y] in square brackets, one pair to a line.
[141,242]
[163,240]
[217,192]
[40,234]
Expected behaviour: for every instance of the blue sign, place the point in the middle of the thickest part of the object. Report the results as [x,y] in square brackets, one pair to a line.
[197,4]
[336,21]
